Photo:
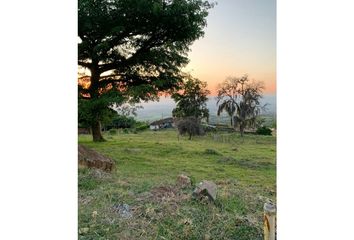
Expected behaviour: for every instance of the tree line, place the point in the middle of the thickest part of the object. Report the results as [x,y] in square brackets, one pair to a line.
[239,97]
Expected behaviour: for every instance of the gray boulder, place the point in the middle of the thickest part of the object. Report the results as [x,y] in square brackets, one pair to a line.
[123,210]
[205,188]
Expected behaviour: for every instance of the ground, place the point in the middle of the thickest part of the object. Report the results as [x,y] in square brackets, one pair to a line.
[147,166]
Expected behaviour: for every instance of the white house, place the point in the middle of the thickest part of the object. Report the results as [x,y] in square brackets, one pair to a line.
[162,123]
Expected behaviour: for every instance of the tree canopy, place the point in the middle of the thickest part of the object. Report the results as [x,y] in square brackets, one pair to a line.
[191,101]
[240,98]
[132,50]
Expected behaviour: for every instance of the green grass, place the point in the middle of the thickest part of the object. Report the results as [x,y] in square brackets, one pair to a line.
[149,162]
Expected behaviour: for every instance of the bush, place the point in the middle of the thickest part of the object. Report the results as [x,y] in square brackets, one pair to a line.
[189,126]
[264,131]
[121,121]
[113,131]
[125,130]
[141,126]
[208,128]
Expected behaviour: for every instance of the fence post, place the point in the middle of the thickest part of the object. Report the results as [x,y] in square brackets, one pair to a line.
[269,221]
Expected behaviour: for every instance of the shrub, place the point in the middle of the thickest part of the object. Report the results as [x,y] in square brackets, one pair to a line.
[125,130]
[113,131]
[141,126]
[190,126]
[264,131]
[121,121]
[209,128]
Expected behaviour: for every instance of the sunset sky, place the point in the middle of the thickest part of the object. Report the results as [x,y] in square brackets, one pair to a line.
[240,38]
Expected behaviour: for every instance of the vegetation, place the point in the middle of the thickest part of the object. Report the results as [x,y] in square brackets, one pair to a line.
[113,131]
[140,126]
[148,164]
[264,131]
[191,101]
[121,121]
[240,98]
[189,126]
[132,50]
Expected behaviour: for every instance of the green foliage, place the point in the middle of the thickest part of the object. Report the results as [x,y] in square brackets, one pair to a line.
[208,128]
[132,50]
[189,126]
[121,121]
[191,102]
[264,131]
[86,182]
[92,110]
[113,131]
[240,98]
[140,126]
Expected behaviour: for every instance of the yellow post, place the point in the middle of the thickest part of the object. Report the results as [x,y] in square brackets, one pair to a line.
[269,221]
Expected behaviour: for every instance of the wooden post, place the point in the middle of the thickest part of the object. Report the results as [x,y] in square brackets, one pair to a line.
[269,221]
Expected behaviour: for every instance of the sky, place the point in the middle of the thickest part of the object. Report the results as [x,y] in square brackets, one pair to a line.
[240,38]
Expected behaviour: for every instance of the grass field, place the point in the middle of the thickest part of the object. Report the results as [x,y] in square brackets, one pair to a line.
[147,166]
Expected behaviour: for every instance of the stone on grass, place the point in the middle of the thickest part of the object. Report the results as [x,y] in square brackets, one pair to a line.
[183,181]
[92,159]
[205,188]
[83,230]
[123,210]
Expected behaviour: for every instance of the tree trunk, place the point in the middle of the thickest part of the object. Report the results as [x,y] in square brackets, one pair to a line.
[94,93]
[242,129]
[96,132]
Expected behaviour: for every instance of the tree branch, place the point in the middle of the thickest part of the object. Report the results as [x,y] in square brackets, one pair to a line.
[154,41]
[84,64]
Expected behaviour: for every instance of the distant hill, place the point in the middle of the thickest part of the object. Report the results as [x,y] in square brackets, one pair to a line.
[156,110]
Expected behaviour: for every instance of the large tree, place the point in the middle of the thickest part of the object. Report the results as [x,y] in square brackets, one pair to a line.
[132,50]
[191,99]
[240,98]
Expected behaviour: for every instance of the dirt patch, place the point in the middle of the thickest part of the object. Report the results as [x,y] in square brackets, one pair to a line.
[84,200]
[164,194]
[92,159]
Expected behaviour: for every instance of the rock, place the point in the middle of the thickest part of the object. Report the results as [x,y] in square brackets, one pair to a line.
[183,181]
[92,159]
[94,214]
[123,210]
[83,230]
[206,237]
[205,188]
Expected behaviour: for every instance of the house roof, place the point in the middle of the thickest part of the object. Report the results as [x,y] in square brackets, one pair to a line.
[162,121]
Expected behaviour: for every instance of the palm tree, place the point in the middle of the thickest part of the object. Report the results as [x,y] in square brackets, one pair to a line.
[229,107]
[241,100]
